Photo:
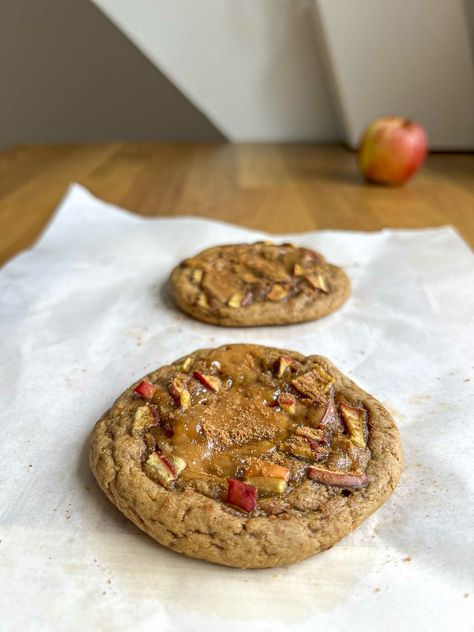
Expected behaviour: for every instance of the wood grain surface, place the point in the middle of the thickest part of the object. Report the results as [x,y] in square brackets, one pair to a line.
[278,188]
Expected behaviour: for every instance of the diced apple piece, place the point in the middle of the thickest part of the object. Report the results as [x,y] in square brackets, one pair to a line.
[337,479]
[211,382]
[283,363]
[179,391]
[304,447]
[143,418]
[267,484]
[317,282]
[247,299]
[145,389]
[186,364]
[241,495]
[354,420]
[196,275]
[299,447]
[202,301]
[185,399]
[328,422]
[313,383]
[277,293]
[309,254]
[313,434]
[163,468]
[298,270]
[267,469]
[287,403]
[176,462]
[235,300]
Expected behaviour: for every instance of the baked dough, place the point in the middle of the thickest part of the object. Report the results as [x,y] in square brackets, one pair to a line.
[246,455]
[258,284]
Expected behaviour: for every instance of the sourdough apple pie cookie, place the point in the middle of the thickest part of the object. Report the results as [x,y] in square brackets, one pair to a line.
[247,456]
[258,284]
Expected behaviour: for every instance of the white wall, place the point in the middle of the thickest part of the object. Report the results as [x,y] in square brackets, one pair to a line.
[250,65]
[412,58]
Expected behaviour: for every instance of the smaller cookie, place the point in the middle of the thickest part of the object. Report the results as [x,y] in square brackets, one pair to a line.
[258,284]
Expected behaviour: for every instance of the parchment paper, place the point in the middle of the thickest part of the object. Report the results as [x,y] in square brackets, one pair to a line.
[85,313]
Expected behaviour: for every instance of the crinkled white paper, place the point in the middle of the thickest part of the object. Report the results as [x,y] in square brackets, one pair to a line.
[85,313]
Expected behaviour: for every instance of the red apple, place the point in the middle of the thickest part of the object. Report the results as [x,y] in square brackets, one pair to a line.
[392,150]
[145,389]
[337,479]
[211,382]
[287,403]
[241,495]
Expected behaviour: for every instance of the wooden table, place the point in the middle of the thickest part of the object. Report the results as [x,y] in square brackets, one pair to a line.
[278,188]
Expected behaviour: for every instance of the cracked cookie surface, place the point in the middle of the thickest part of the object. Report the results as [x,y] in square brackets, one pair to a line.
[258,284]
[247,456]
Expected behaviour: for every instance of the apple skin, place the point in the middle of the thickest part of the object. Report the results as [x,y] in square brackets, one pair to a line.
[392,149]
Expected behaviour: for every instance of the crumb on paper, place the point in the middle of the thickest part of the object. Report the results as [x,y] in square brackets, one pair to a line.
[466,595]
[467,380]
[407,559]
[376,590]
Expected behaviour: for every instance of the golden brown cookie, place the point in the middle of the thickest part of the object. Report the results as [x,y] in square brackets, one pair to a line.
[258,284]
[247,456]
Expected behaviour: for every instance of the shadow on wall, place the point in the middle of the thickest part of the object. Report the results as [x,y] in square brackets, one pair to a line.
[289,26]
[68,74]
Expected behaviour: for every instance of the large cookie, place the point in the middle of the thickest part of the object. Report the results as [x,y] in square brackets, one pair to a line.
[247,455]
[258,284]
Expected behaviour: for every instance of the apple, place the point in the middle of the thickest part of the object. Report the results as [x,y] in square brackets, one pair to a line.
[354,420]
[300,447]
[144,418]
[267,477]
[196,275]
[145,389]
[287,403]
[235,300]
[179,392]
[277,293]
[187,364]
[241,495]
[317,282]
[313,383]
[329,419]
[211,382]
[391,150]
[283,363]
[267,469]
[164,468]
[337,479]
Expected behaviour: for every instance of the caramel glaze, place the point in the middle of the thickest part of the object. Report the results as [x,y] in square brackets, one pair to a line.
[222,432]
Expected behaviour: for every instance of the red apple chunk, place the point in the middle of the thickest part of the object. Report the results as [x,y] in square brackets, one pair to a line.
[164,469]
[287,403]
[211,382]
[145,389]
[337,479]
[241,495]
